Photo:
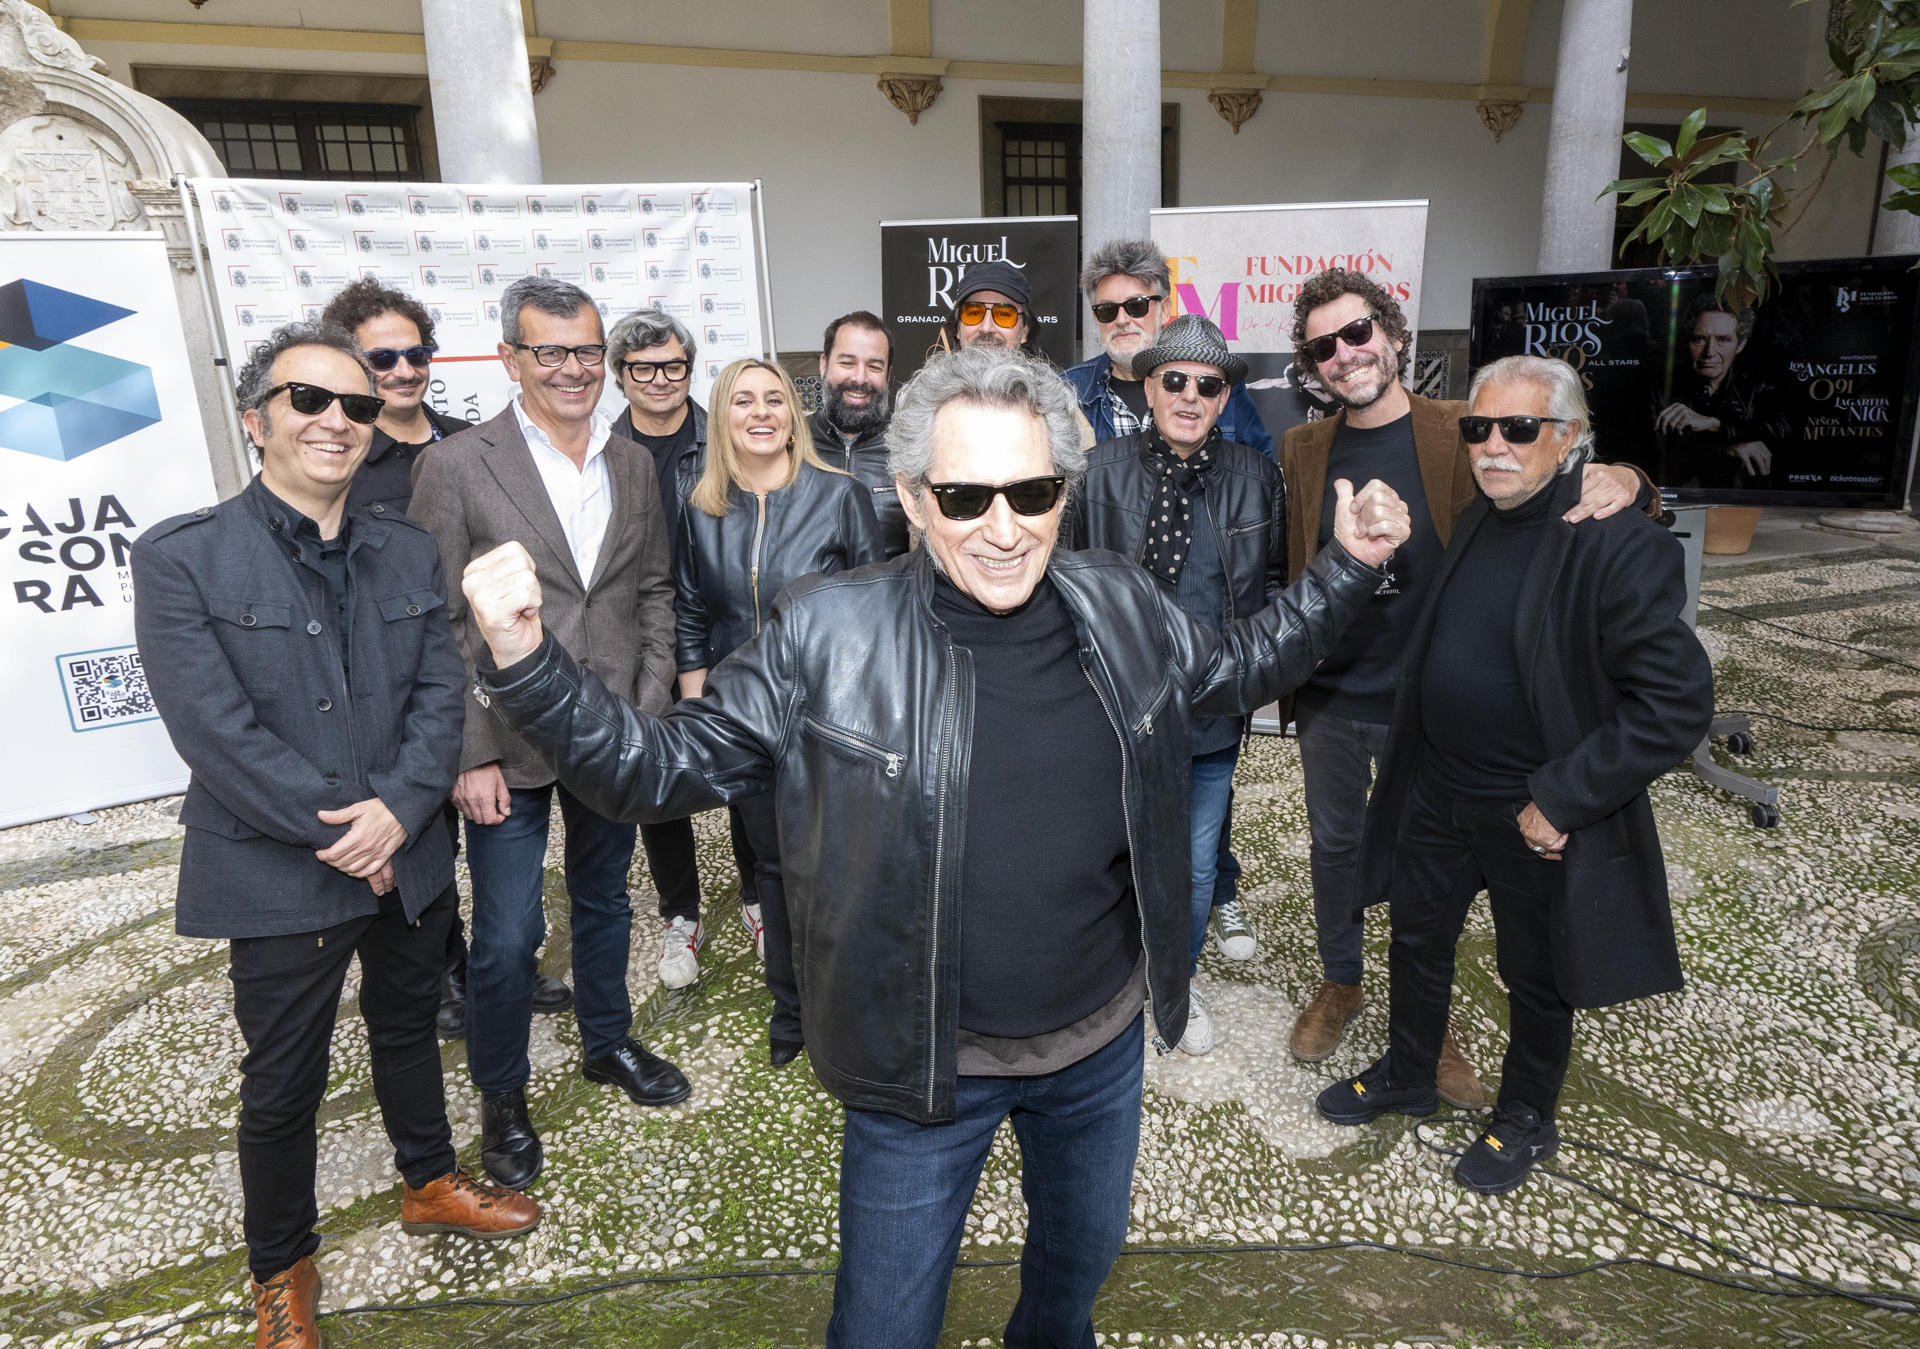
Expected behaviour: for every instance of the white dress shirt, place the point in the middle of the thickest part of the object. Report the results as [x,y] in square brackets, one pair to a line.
[582,497]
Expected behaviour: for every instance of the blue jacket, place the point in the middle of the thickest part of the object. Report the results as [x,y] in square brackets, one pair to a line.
[1240,422]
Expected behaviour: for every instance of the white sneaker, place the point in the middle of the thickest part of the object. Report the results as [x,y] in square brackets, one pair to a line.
[750,919]
[680,953]
[1231,931]
[1199,1037]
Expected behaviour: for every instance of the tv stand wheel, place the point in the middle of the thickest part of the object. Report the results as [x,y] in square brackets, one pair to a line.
[1739,743]
[1764,816]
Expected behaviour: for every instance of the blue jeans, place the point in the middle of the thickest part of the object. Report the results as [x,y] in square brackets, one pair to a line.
[1337,757]
[905,1189]
[1212,800]
[510,922]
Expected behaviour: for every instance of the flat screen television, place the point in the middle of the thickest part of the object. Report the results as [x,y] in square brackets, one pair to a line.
[1807,399]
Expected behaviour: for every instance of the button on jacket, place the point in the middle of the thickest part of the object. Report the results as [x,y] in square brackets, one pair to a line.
[242,643]
[856,707]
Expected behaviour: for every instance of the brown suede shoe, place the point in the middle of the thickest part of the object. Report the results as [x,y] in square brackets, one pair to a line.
[285,1306]
[1322,1022]
[456,1202]
[1454,1078]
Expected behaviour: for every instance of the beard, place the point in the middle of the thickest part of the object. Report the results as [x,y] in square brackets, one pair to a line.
[857,419]
[1356,399]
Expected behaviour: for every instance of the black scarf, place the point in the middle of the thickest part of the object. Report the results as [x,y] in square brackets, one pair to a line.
[1170,517]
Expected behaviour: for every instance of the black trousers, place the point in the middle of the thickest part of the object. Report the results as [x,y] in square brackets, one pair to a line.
[286,991]
[755,818]
[1450,848]
[669,849]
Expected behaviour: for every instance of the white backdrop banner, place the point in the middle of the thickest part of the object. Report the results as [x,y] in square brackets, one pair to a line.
[100,437]
[281,249]
[1243,266]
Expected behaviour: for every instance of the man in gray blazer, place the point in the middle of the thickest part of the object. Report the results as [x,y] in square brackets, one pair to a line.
[549,474]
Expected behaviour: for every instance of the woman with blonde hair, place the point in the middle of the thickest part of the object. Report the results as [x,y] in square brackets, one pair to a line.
[761,512]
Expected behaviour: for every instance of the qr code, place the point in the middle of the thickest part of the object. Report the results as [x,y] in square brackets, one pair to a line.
[105,687]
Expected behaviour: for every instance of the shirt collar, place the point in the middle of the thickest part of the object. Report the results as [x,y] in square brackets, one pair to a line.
[600,428]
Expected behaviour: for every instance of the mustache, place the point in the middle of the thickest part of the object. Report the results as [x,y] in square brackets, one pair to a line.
[1497,462]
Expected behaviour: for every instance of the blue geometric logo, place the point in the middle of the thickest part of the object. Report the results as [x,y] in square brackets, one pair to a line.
[74,400]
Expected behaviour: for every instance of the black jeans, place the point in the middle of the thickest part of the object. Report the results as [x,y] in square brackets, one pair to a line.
[1337,756]
[669,849]
[755,816]
[286,991]
[1450,847]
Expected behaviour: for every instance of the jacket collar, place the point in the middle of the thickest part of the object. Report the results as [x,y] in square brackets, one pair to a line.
[297,533]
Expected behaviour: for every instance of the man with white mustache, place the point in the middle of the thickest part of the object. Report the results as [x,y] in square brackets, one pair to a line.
[1350,333]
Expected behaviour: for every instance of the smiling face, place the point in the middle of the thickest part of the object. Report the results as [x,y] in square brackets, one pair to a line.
[1126,337]
[1511,474]
[855,376]
[759,423]
[987,333]
[658,397]
[403,386]
[556,397]
[998,558]
[1356,376]
[308,461]
[1185,419]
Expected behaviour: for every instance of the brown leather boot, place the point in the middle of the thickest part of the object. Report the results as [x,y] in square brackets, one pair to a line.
[1454,1078]
[456,1202]
[285,1306]
[1322,1022]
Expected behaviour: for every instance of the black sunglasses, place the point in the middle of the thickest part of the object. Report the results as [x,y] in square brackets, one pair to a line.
[1355,334]
[642,372]
[383,359]
[310,400]
[1136,307]
[971,500]
[550,354]
[1513,430]
[1207,386]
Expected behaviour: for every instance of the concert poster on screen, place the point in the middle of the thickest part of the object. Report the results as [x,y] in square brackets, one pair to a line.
[1805,399]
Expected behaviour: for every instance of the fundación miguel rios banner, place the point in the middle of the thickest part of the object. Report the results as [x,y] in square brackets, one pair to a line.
[281,249]
[100,437]
[1243,266]
[920,260]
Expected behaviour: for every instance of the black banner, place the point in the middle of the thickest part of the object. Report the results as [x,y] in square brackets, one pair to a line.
[921,259]
[1805,400]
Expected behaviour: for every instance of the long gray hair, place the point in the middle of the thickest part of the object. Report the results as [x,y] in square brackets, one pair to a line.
[985,377]
[1565,398]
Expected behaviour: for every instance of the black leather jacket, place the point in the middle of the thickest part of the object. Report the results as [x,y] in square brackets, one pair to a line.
[856,707]
[728,568]
[866,459]
[1245,500]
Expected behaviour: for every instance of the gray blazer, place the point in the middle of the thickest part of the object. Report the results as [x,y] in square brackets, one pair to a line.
[476,490]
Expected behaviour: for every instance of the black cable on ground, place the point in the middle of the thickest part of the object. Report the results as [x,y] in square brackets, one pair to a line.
[1809,726]
[1811,637]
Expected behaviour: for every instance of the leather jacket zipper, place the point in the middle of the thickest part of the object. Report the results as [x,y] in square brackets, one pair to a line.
[753,575]
[860,744]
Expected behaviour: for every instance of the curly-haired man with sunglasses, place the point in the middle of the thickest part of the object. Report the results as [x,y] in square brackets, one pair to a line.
[1350,333]
[300,656]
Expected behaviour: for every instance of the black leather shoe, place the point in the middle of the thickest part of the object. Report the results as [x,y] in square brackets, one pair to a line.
[783,1052]
[509,1148]
[451,1019]
[550,995]
[647,1078]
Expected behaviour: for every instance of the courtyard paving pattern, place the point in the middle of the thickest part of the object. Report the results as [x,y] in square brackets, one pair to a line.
[1788,1069]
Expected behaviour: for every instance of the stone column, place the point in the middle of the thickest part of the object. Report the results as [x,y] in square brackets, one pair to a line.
[1120,124]
[482,91]
[1583,136]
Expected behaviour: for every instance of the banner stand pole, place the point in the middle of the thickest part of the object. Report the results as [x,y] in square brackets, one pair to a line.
[771,350]
[222,358]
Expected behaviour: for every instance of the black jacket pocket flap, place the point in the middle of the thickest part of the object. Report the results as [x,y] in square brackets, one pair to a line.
[251,613]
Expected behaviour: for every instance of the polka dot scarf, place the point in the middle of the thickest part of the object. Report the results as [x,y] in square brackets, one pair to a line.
[1170,517]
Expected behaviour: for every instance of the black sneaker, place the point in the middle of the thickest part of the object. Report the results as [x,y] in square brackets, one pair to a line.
[1362,1099]
[1501,1158]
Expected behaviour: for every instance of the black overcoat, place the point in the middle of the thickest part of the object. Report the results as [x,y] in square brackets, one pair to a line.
[1622,691]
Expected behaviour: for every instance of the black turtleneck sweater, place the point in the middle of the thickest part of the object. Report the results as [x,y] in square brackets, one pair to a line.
[1049,932]
[1481,737]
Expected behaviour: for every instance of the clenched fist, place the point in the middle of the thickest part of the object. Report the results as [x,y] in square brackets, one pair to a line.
[1371,525]
[504,594]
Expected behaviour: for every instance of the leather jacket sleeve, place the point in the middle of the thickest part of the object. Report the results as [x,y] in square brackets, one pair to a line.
[1276,579]
[692,625]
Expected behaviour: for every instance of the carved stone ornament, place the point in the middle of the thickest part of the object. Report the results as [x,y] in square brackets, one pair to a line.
[1499,118]
[540,70]
[1236,105]
[912,94]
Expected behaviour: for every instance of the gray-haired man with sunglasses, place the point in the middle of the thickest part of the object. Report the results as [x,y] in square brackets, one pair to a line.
[299,655]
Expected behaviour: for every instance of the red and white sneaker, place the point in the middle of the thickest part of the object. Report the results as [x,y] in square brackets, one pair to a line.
[750,919]
[680,953]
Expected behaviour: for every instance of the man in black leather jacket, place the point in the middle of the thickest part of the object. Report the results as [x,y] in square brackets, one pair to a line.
[980,740]
[850,429]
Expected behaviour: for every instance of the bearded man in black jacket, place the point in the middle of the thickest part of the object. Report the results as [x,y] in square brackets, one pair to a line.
[984,736]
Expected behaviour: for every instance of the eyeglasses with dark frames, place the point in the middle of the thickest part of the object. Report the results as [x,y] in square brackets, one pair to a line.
[310,400]
[1355,334]
[974,312]
[642,372]
[971,500]
[383,359]
[1207,386]
[1513,430]
[552,354]
[1108,310]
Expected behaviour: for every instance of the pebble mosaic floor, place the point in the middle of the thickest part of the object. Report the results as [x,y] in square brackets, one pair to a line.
[1789,1066]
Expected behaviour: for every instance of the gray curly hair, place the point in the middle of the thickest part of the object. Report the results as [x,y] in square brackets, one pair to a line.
[985,377]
